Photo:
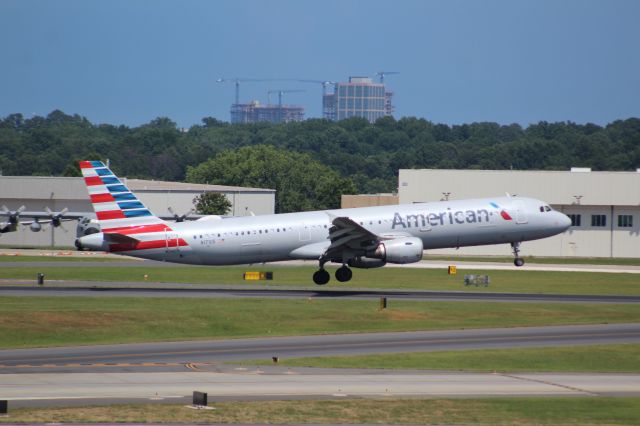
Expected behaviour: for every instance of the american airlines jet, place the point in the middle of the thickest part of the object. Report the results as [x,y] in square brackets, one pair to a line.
[368,237]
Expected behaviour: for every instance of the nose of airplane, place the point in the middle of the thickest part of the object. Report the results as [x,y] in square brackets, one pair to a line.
[562,222]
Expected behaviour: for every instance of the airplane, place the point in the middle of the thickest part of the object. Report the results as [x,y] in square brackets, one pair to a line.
[11,218]
[367,237]
[87,223]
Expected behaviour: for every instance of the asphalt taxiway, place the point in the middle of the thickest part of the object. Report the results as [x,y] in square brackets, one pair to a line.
[149,289]
[140,356]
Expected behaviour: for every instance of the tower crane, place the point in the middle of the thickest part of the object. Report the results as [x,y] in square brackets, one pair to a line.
[382,74]
[280,92]
[237,82]
[324,83]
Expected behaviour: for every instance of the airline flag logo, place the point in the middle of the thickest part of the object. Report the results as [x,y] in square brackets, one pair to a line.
[503,212]
[110,198]
[120,212]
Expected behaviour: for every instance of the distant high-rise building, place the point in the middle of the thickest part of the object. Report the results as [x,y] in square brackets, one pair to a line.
[360,97]
[254,112]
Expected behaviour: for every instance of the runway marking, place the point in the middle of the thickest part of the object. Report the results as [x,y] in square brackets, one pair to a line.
[195,367]
[546,382]
[191,366]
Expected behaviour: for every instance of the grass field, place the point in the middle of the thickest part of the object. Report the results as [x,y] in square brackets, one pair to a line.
[516,281]
[623,358]
[56,258]
[56,321]
[622,261]
[486,411]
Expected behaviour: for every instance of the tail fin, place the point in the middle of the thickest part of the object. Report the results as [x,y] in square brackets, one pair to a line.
[118,210]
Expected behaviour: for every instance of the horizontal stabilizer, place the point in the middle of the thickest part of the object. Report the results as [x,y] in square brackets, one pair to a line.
[114,238]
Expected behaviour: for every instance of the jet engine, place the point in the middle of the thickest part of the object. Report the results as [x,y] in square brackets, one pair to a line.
[399,250]
[366,262]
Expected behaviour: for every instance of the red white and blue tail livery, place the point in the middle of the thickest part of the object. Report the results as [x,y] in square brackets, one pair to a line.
[127,224]
[367,237]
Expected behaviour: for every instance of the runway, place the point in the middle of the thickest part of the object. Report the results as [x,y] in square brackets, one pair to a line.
[137,289]
[293,384]
[172,371]
[174,356]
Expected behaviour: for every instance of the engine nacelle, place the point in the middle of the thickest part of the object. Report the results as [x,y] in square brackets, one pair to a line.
[366,262]
[399,250]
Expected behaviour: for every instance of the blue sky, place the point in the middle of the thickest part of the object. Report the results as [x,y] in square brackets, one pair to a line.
[128,62]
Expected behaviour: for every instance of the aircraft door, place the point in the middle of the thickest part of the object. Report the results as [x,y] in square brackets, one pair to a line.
[171,242]
[521,213]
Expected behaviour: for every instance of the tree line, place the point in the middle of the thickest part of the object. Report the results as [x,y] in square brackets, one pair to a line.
[323,159]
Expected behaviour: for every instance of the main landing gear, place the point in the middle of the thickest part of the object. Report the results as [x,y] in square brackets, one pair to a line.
[343,274]
[518,261]
[321,276]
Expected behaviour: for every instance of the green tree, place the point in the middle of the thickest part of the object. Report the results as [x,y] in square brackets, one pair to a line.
[212,203]
[301,183]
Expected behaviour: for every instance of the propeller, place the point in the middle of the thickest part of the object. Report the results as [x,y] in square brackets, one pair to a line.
[177,217]
[56,218]
[13,216]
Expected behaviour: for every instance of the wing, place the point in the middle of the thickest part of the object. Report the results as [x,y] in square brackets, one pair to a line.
[349,239]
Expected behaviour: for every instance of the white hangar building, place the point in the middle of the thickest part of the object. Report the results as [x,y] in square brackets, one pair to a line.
[604,206]
[36,193]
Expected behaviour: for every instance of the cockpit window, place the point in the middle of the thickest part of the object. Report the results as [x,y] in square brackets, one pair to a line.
[547,208]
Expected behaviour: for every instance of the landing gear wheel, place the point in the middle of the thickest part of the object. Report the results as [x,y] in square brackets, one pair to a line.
[343,274]
[321,277]
[515,248]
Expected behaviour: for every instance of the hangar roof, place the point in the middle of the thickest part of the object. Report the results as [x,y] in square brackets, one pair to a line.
[73,188]
[555,187]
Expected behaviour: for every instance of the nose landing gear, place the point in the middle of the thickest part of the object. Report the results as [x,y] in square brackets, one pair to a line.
[518,261]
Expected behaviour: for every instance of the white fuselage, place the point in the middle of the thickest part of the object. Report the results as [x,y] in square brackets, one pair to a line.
[267,238]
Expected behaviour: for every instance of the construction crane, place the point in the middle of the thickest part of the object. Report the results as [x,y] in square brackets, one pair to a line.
[382,74]
[324,83]
[237,82]
[280,92]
